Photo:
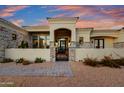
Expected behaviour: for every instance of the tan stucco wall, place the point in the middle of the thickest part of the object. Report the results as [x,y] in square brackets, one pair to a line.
[29,54]
[106,32]
[108,42]
[63,23]
[85,33]
[120,36]
[81,53]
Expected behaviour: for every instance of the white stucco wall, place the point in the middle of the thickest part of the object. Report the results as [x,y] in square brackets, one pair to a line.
[29,54]
[85,33]
[69,26]
[108,42]
[121,36]
[67,23]
[82,53]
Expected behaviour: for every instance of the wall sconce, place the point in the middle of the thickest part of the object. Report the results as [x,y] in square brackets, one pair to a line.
[56,44]
[69,43]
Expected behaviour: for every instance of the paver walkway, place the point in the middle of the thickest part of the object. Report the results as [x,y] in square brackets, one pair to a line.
[57,69]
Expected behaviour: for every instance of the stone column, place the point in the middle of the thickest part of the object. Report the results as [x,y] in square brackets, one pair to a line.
[73,46]
[52,46]
[52,52]
[71,54]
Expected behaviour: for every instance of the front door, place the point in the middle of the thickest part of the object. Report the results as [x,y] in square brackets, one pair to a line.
[62,50]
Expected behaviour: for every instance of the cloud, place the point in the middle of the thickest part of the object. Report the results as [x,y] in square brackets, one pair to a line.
[99,24]
[18,22]
[41,22]
[11,10]
[93,16]
[117,27]
[6,14]
[117,13]
[60,15]
[81,11]
[65,8]
[77,10]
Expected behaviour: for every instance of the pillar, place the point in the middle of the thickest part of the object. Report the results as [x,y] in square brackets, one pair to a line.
[73,46]
[52,47]
[73,38]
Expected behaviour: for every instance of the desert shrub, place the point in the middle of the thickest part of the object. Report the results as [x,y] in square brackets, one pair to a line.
[7,60]
[39,60]
[25,62]
[108,61]
[91,61]
[20,60]
[119,61]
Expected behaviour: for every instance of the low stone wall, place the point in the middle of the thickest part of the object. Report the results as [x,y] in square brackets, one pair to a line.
[81,53]
[29,54]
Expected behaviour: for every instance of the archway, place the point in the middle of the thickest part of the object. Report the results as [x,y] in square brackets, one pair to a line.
[62,39]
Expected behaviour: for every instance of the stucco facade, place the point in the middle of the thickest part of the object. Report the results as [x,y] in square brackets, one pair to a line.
[53,37]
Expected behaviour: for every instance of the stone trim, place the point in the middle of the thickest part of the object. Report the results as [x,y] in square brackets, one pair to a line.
[85,45]
[71,54]
[118,45]
[52,54]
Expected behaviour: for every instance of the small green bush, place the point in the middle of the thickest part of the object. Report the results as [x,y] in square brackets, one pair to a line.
[24,44]
[39,60]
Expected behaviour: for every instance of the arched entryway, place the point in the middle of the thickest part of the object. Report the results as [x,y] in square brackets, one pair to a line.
[62,39]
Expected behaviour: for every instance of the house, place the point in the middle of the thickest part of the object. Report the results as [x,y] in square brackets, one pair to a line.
[61,38]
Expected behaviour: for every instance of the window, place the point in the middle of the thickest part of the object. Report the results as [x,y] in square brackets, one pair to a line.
[47,41]
[41,41]
[13,36]
[81,40]
[35,41]
[99,43]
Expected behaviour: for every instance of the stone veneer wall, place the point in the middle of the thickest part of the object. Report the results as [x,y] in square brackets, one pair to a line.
[85,45]
[52,52]
[7,42]
[118,45]
[72,54]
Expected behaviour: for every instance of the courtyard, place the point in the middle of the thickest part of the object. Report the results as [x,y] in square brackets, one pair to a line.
[71,74]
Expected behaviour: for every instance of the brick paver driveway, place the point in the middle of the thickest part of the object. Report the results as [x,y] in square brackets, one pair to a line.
[56,69]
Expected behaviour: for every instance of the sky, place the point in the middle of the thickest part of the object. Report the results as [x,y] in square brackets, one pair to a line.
[96,16]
